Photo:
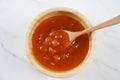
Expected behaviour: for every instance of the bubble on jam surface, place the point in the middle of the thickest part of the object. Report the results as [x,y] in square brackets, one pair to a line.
[52,63]
[61,36]
[58,36]
[46,57]
[43,48]
[50,34]
[57,57]
[51,50]
[77,45]
[40,37]
[55,42]
[73,42]
[65,55]
[48,39]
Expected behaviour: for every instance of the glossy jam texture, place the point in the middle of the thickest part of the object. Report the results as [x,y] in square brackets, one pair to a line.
[50,45]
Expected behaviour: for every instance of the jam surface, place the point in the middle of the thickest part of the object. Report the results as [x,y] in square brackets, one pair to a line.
[50,45]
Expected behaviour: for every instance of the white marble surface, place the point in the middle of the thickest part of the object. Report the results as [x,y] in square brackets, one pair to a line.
[16,15]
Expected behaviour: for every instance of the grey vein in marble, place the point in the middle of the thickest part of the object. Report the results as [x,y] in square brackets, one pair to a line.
[100,63]
[11,53]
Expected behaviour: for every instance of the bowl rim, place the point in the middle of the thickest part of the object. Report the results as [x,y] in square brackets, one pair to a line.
[39,67]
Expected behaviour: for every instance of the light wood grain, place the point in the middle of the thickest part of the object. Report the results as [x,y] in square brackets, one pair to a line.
[108,23]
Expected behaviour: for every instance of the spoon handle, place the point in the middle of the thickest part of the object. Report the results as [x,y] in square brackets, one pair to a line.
[108,23]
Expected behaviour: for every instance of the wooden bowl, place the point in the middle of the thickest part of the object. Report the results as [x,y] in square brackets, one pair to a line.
[49,13]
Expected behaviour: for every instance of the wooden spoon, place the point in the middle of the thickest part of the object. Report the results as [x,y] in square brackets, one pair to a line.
[74,35]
